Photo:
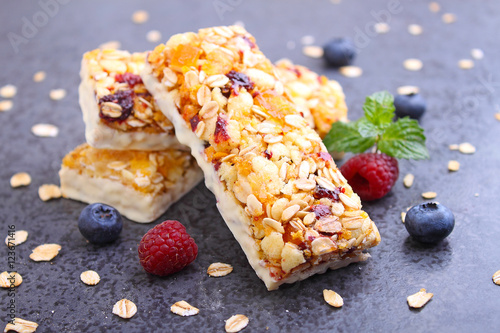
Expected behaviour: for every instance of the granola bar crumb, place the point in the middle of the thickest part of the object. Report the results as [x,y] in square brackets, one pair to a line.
[496,278]
[419,299]
[449,18]
[466,148]
[415,29]
[153,36]
[408,90]
[45,130]
[477,54]
[465,63]
[403,216]
[381,27]
[434,7]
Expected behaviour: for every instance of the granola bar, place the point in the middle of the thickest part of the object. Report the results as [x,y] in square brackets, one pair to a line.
[277,188]
[321,101]
[118,111]
[140,184]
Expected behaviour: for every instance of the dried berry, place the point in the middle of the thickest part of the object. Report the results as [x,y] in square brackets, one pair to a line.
[129,78]
[321,192]
[320,210]
[124,98]
[194,122]
[239,80]
[220,134]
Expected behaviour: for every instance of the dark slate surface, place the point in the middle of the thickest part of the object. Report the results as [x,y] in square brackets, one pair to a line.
[461,108]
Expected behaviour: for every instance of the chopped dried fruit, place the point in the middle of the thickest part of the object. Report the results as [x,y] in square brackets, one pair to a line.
[129,78]
[239,80]
[322,192]
[220,134]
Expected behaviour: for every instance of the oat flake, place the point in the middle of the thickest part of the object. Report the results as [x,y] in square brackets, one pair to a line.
[90,278]
[415,29]
[434,7]
[381,27]
[6,105]
[45,130]
[39,76]
[408,180]
[57,94]
[497,116]
[408,90]
[140,16]
[313,51]
[125,309]
[21,326]
[465,64]
[8,91]
[413,64]
[153,36]
[477,54]
[49,191]
[332,298]
[6,280]
[429,195]
[219,269]
[351,71]
[236,323]
[184,309]
[19,237]
[112,44]
[45,252]
[20,179]
[466,148]
[496,278]
[403,216]
[449,18]
[419,299]
[453,165]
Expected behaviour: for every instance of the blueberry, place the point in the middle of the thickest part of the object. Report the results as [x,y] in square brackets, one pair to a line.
[339,52]
[100,223]
[429,222]
[411,105]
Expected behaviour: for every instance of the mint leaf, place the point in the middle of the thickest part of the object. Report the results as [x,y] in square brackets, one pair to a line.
[367,129]
[379,109]
[346,137]
[404,139]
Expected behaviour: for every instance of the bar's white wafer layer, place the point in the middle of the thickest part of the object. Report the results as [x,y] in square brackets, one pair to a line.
[277,187]
[140,185]
[109,125]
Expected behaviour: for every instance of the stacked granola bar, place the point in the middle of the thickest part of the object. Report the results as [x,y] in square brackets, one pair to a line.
[132,159]
[277,188]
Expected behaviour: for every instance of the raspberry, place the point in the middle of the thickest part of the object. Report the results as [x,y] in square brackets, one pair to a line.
[167,248]
[371,175]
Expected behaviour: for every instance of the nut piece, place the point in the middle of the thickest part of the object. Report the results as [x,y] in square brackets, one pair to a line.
[20,179]
[419,299]
[45,130]
[57,94]
[49,191]
[11,279]
[6,105]
[20,236]
[21,326]
[45,252]
[90,278]
[184,309]
[313,51]
[413,64]
[496,278]
[429,195]
[8,91]
[466,148]
[408,180]
[124,308]
[39,76]
[453,165]
[218,269]
[332,298]
[351,71]
[236,323]
[140,16]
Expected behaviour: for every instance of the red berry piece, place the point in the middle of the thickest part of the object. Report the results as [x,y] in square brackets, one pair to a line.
[371,175]
[167,248]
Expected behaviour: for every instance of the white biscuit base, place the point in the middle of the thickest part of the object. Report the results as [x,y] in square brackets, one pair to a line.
[143,207]
[247,211]
[140,131]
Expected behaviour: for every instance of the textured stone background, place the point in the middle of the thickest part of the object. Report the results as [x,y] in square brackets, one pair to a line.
[461,108]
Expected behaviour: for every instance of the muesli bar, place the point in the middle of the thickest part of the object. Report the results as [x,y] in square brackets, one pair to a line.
[140,184]
[277,188]
[321,101]
[118,111]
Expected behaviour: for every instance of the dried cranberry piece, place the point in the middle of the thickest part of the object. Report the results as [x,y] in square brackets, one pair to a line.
[268,154]
[325,156]
[320,210]
[249,41]
[239,80]
[296,71]
[129,78]
[124,98]
[217,166]
[194,122]
[220,133]
[321,192]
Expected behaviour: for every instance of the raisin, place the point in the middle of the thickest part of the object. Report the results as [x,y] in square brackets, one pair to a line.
[320,210]
[321,192]
[129,78]
[124,98]
[194,122]
[239,80]
[220,133]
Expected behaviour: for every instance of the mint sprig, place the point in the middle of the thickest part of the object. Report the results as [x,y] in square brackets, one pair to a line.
[401,139]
